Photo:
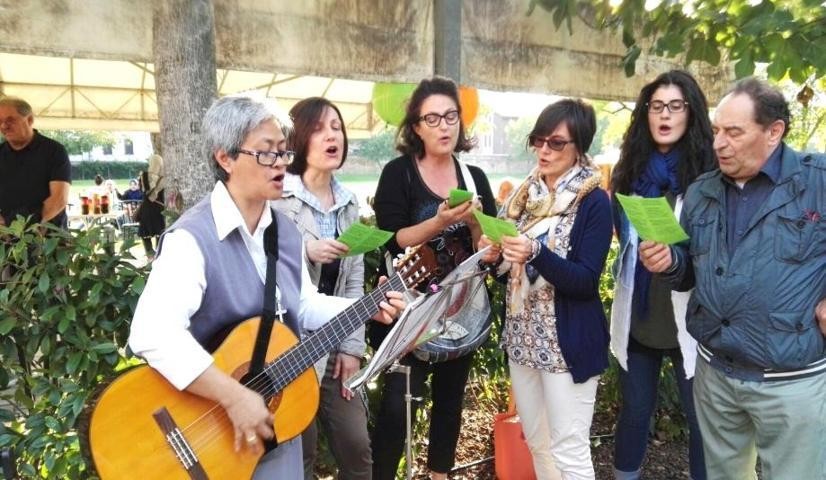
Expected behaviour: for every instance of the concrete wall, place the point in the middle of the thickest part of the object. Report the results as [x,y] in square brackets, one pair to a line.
[502,48]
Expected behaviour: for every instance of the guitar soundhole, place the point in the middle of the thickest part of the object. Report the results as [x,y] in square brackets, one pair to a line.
[259,383]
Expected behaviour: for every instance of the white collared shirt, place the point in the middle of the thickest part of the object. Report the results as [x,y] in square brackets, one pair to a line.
[160,329]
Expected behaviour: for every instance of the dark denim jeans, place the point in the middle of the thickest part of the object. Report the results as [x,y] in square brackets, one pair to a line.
[639,398]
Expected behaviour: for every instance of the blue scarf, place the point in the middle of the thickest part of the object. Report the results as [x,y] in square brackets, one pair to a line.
[660,176]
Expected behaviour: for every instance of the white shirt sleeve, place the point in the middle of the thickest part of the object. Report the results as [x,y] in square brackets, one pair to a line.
[160,329]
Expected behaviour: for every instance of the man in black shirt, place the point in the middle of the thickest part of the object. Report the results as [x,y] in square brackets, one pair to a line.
[35,172]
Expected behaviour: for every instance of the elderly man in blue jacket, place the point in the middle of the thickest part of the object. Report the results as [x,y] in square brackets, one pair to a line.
[757,262]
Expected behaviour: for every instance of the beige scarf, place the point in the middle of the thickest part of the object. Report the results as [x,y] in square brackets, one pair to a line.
[536,210]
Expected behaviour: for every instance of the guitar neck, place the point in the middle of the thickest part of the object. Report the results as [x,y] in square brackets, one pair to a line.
[287,367]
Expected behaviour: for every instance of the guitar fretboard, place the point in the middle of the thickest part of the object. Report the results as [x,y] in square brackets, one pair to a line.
[287,367]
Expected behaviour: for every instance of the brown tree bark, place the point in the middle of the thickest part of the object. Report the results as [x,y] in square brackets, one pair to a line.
[184,51]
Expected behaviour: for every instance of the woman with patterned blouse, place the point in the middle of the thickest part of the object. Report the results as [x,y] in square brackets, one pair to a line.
[556,334]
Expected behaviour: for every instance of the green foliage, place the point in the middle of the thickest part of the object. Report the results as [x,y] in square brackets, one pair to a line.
[379,148]
[785,34]
[79,142]
[808,129]
[517,132]
[87,169]
[64,315]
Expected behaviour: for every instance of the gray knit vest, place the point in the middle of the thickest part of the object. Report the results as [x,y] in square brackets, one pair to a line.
[234,290]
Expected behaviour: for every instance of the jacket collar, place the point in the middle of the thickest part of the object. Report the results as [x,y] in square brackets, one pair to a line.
[789,172]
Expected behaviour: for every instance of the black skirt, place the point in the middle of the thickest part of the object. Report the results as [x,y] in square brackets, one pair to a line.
[151,221]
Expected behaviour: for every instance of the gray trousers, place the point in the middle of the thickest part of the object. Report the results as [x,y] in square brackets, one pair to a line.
[784,422]
[282,463]
[344,424]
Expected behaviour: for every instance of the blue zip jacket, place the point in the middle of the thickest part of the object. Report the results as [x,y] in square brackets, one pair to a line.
[755,307]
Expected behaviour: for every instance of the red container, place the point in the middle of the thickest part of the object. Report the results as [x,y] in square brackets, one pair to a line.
[512,458]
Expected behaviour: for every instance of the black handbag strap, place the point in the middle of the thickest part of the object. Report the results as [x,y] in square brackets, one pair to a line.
[270,311]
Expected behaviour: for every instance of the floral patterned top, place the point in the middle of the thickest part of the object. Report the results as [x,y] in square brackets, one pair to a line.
[530,336]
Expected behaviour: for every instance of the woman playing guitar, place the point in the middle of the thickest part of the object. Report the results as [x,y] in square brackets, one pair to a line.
[209,275]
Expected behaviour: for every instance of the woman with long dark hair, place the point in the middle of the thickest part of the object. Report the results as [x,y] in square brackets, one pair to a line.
[322,209]
[667,145]
[411,201]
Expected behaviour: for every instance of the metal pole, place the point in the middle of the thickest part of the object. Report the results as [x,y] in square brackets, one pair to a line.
[408,449]
[447,39]
[408,400]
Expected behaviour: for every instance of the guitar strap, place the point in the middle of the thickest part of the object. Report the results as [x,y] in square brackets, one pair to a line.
[271,308]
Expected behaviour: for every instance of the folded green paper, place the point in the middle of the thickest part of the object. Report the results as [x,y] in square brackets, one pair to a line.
[653,219]
[494,227]
[458,196]
[362,239]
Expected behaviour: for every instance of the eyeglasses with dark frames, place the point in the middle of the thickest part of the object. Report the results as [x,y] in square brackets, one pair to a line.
[434,119]
[673,106]
[553,143]
[268,159]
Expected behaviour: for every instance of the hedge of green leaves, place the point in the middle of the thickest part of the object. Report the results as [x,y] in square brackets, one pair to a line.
[86,170]
[64,319]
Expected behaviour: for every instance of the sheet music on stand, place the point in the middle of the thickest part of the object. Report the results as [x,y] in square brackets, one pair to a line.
[422,320]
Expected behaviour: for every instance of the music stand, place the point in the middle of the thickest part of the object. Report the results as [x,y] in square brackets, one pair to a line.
[423,319]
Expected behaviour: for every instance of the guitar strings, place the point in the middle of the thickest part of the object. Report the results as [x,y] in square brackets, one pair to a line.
[199,440]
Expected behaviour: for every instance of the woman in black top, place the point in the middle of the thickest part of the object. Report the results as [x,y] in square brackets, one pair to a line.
[411,201]
[151,222]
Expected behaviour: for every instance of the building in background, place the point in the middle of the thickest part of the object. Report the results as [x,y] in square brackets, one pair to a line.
[128,146]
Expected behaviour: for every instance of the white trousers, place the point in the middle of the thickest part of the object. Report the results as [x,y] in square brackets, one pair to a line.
[556,418]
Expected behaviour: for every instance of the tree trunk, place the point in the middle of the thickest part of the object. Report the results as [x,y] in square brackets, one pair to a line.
[155,139]
[184,51]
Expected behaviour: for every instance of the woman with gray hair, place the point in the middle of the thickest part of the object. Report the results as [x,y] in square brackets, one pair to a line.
[210,274]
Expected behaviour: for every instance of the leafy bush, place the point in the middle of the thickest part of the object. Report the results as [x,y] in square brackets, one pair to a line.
[65,307]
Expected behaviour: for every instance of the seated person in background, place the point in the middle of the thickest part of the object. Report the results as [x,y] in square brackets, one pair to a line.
[134,192]
[130,200]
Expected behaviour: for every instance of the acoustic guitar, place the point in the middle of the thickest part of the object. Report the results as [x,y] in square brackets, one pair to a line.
[141,427]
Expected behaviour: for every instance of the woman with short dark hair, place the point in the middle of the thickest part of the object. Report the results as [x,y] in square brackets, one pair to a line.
[411,201]
[556,334]
[322,209]
[667,145]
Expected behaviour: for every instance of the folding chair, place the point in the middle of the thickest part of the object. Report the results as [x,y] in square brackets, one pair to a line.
[129,227]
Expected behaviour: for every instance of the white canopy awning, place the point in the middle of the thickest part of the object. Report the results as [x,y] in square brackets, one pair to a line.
[74,93]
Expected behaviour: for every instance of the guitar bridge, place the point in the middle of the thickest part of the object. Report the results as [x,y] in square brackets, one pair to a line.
[175,439]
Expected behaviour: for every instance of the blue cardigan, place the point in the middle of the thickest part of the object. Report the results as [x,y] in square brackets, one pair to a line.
[580,318]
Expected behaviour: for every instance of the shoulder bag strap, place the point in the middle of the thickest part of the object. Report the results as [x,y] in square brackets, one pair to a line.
[470,185]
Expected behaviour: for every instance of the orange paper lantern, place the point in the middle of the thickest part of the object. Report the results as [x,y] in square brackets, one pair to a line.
[469,98]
